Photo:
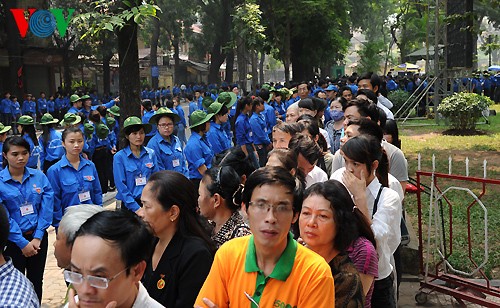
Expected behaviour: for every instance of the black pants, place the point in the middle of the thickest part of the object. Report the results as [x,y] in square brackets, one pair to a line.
[33,266]
[109,170]
[383,293]
[101,161]
[262,152]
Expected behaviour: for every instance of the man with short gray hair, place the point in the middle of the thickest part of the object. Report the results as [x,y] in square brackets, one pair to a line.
[73,219]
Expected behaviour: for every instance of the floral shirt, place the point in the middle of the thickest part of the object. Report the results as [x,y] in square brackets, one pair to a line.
[233,227]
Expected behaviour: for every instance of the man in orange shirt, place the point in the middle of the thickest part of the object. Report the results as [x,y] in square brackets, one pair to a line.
[268,268]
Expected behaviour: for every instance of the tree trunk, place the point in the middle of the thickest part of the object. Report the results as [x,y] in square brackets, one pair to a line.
[217,58]
[255,61]
[261,67]
[242,64]
[287,49]
[229,66]
[154,48]
[108,40]
[129,71]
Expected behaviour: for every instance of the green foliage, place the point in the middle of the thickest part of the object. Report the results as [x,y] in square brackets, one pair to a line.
[77,85]
[247,21]
[464,109]
[371,55]
[398,98]
[105,15]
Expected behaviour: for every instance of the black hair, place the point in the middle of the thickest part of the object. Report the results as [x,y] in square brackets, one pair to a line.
[95,116]
[307,103]
[240,106]
[129,130]
[289,128]
[264,94]
[237,159]
[375,80]
[288,159]
[350,222]
[223,110]
[366,149]
[70,130]
[225,182]
[365,108]
[199,128]
[391,128]
[102,110]
[165,187]
[189,97]
[368,127]
[169,104]
[382,117]
[309,123]
[345,88]
[30,130]
[319,103]
[273,176]
[46,133]
[304,145]
[124,230]
[372,97]
[4,228]
[147,104]
[256,102]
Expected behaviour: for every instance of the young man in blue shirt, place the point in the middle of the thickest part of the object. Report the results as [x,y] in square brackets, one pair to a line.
[5,109]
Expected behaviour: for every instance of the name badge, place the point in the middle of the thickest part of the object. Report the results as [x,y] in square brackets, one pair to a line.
[84,196]
[140,181]
[250,134]
[176,163]
[26,209]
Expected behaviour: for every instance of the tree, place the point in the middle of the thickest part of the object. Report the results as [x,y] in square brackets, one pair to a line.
[124,18]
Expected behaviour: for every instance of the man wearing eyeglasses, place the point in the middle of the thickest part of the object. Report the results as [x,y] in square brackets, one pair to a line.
[108,260]
[268,268]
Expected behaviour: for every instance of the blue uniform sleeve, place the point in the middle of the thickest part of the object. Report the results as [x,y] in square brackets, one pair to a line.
[240,132]
[194,156]
[109,104]
[15,233]
[97,191]
[53,174]
[42,152]
[259,135]
[121,183]
[154,145]
[46,208]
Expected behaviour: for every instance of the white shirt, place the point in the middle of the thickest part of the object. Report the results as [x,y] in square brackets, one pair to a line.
[381,102]
[315,176]
[385,224]
[394,184]
[327,137]
[143,300]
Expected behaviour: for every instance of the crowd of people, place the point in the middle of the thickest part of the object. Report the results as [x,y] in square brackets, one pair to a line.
[289,197]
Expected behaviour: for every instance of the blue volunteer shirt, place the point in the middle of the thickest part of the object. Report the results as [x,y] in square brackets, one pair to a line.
[34,153]
[193,107]
[145,119]
[42,105]
[29,107]
[259,129]
[218,138]
[54,149]
[129,170]
[15,109]
[50,106]
[29,204]
[68,183]
[243,130]
[270,116]
[6,105]
[169,154]
[198,153]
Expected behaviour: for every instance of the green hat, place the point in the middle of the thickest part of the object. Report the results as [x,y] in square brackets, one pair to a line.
[71,119]
[85,97]
[4,129]
[215,108]
[199,117]
[101,131]
[227,98]
[74,98]
[110,122]
[134,121]
[293,90]
[115,110]
[88,129]
[266,86]
[25,120]
[207,101]
[47,118]
[164,111]
[273,89]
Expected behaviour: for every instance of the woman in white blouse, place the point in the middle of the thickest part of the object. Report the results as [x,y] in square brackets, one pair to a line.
[366,177]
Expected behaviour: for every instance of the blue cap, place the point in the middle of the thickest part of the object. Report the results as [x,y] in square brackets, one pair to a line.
[332,88]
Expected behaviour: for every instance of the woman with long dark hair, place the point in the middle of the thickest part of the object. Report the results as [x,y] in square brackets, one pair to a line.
[183,252]
[219,201]
[366,177]
[331,225]
[26,127]
[51,148]
[28,197]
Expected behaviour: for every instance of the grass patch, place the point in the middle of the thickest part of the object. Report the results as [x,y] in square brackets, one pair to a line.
[428,140]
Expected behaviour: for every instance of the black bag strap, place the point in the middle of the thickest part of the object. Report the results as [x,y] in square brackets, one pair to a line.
[375,203]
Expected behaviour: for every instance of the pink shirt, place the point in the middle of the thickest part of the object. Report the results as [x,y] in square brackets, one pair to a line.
[365,259]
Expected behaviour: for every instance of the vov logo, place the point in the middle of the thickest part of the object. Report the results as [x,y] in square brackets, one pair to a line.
[42,23]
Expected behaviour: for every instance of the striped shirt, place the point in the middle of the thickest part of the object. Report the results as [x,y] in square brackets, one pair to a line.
[364,256]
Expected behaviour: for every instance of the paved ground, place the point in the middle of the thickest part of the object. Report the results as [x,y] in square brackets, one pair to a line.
[54,288]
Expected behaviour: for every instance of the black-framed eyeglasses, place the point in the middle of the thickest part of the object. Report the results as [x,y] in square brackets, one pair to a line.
[96,282]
